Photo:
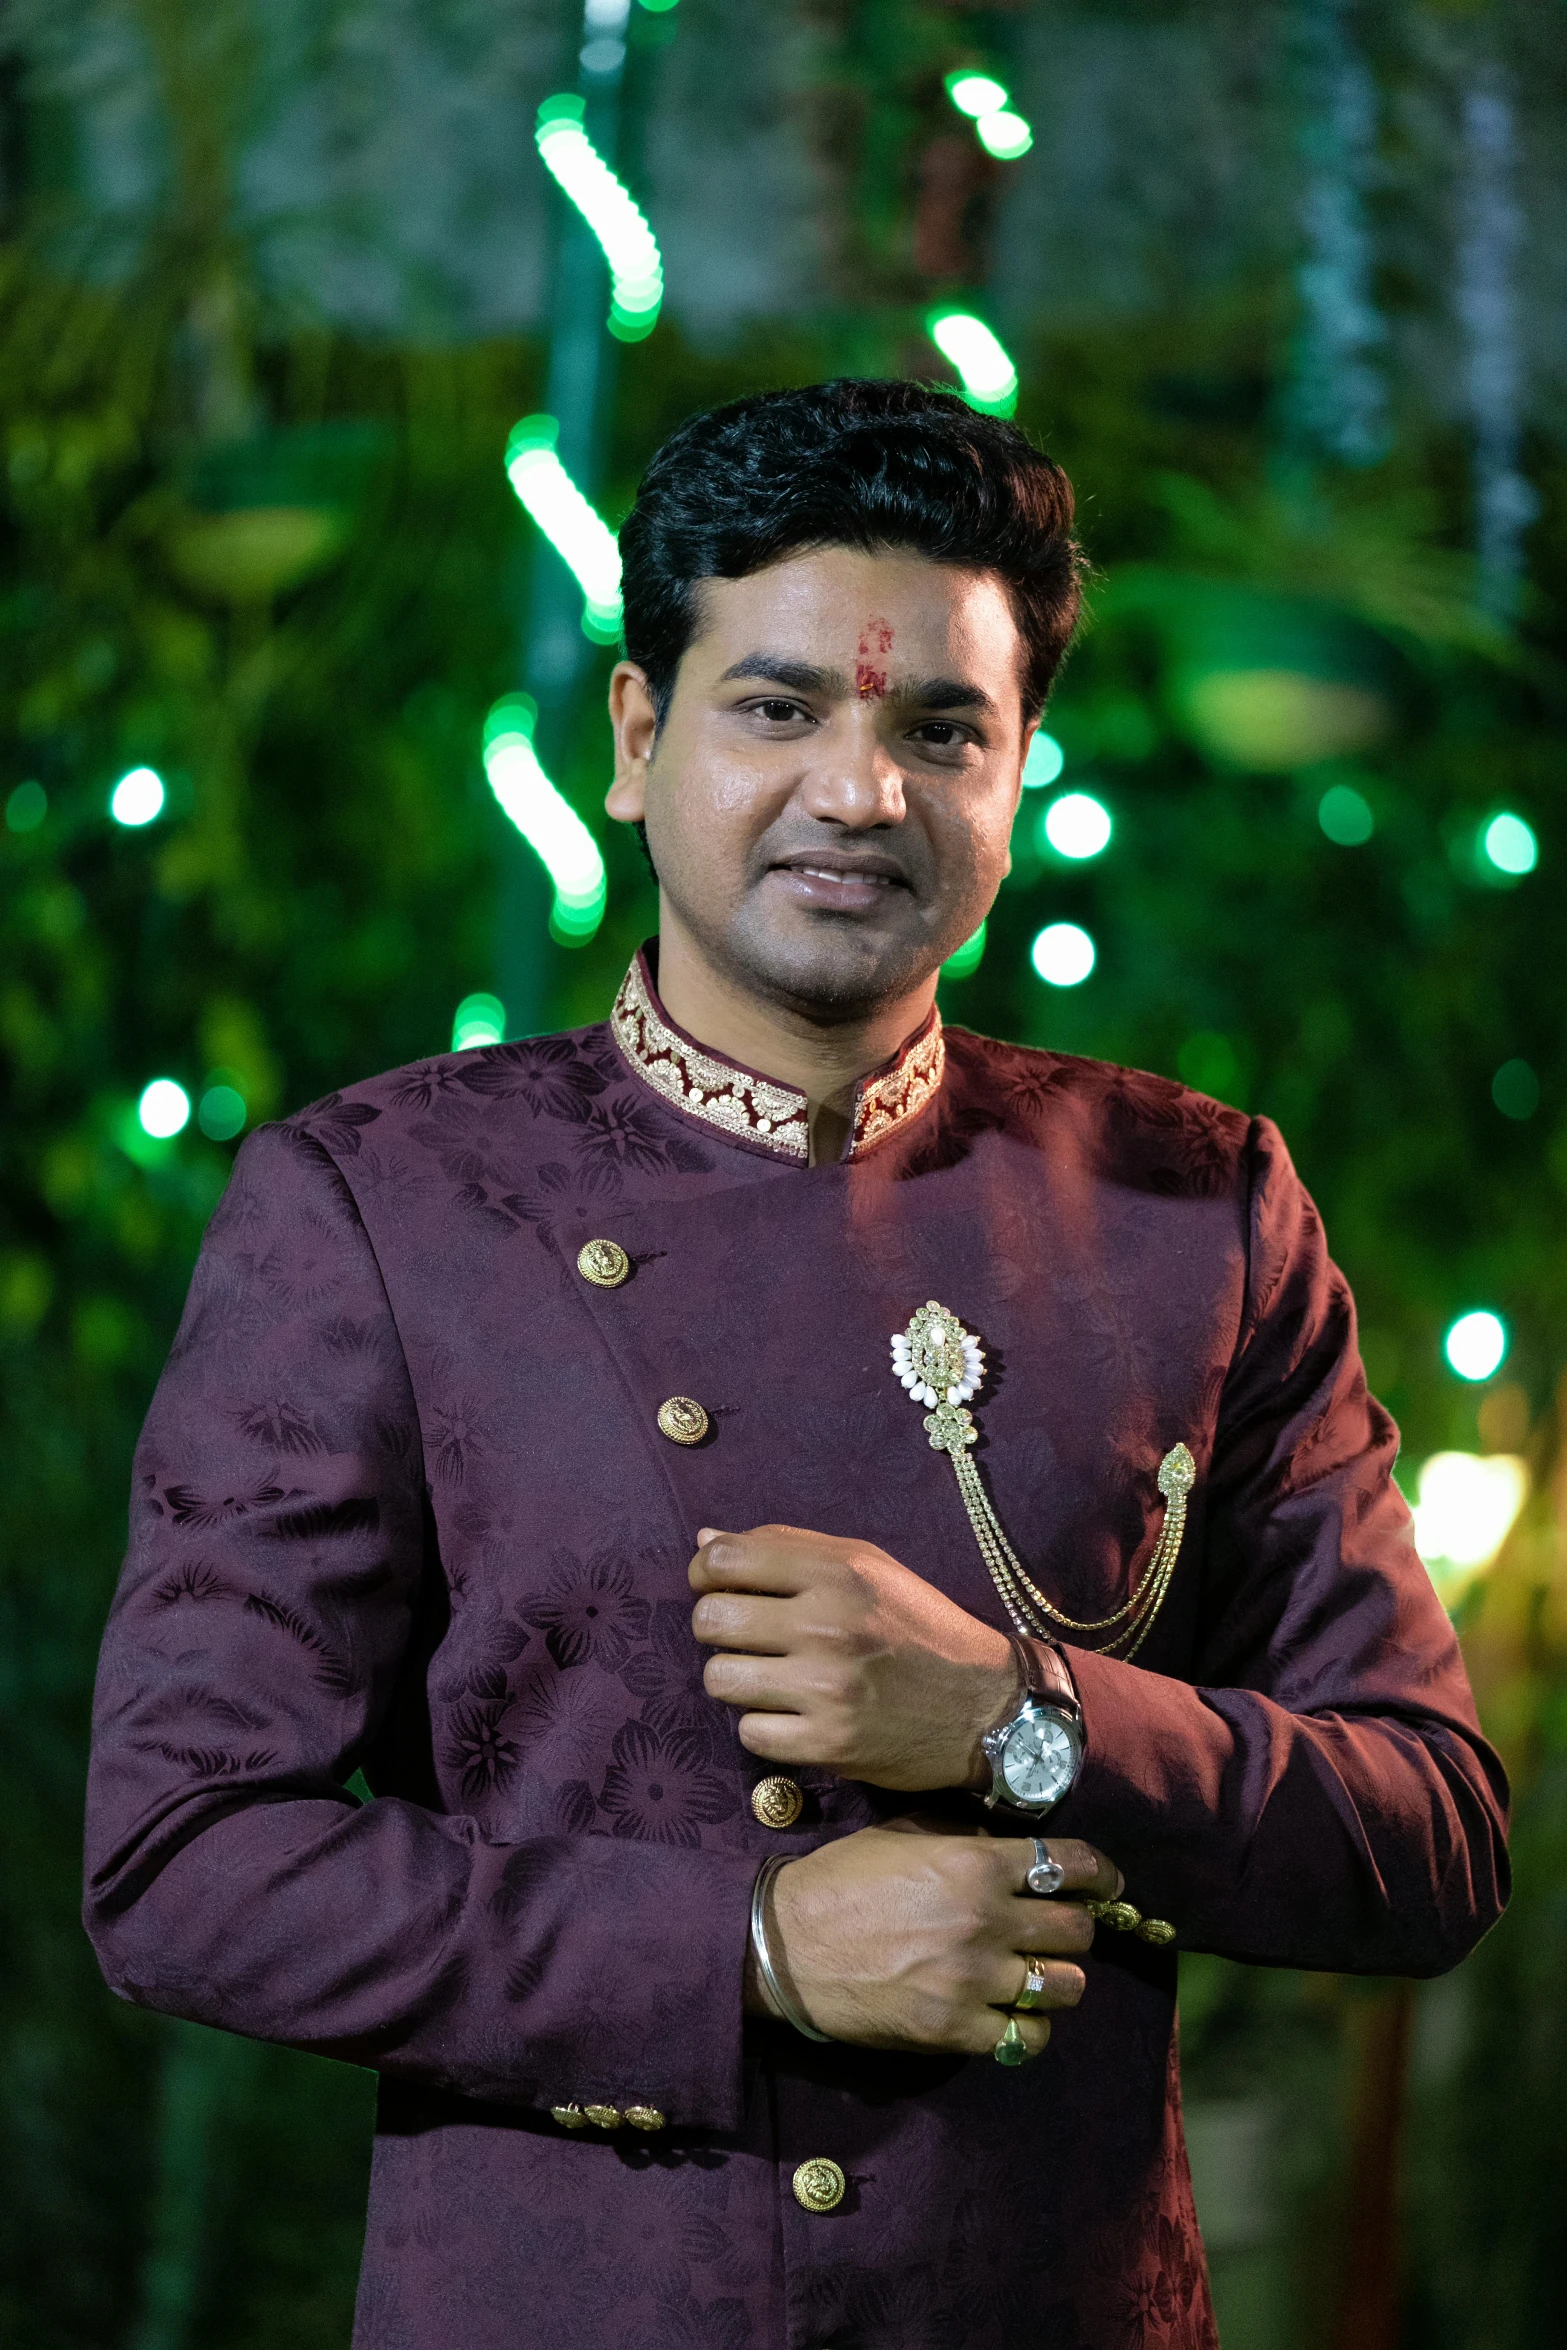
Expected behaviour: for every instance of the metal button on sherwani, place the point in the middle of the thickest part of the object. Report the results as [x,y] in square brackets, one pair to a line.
[603,1262]
[682,1419]
[777,1801]
[603,2117]
[819,2184]
[644,2117]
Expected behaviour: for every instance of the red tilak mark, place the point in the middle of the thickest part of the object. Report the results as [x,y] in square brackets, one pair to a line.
[870,682]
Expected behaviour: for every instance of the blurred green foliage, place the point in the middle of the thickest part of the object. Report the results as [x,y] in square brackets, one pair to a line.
[281,565]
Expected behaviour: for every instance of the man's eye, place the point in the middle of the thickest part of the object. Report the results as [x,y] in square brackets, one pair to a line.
[940,734]
[779,712]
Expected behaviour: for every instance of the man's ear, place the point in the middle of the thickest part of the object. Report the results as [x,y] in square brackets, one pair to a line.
[634,719]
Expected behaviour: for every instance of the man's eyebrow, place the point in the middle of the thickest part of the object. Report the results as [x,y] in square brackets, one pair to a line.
[945,693]
[802,677]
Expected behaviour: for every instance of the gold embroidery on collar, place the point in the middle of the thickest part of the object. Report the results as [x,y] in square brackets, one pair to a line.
[715,1090]
[757,1108]
[890,1101]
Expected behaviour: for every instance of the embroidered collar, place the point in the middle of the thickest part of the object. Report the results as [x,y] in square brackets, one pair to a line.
[757,1109]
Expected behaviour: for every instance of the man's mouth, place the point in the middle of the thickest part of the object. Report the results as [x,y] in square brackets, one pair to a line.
[844,875]
[829,874]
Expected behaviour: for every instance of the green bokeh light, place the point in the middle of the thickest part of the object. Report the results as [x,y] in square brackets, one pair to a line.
[478,1020]
[1044,762]
[968,957]
[1515,1089]
[222,1112]
[1345,816]
[26,807]
[976,94]
[1004,135]
[983,364]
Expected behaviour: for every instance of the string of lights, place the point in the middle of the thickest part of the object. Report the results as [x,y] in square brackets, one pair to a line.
[618,222]
[578,533]
[546,819]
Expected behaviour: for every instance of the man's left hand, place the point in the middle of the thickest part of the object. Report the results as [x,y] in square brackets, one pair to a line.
[835,1654]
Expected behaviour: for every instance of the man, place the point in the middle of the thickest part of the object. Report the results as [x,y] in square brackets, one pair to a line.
[931,1349]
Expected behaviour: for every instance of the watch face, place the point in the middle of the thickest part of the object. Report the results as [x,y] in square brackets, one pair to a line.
[1039,1760]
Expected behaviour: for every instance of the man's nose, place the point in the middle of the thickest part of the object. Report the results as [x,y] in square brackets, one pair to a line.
[854,780]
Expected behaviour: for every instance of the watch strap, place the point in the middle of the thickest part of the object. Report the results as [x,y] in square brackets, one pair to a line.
[1046,1673]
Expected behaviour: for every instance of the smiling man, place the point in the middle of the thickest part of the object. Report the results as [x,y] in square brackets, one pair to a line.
[1054,1606]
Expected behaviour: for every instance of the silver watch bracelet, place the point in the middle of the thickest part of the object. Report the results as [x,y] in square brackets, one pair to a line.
[778,1999]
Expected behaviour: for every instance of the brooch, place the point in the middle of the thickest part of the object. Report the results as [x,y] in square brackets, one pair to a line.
[943,1365]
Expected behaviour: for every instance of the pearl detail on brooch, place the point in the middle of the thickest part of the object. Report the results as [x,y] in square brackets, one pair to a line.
[936,1359]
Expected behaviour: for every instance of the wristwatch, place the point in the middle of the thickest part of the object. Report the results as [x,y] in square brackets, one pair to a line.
[1036,1754]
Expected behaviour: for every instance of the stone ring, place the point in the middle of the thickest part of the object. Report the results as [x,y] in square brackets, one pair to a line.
[1046,1875]
[1012,2047]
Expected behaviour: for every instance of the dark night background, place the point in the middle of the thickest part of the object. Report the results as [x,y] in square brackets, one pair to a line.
[1286,288]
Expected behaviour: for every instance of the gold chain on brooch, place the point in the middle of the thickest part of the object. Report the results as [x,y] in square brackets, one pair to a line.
[942,1364]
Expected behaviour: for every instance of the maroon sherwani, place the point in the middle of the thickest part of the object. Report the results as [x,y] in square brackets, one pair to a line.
[404,1503]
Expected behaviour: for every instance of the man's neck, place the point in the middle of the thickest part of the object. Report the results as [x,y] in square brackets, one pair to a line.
[823,1063]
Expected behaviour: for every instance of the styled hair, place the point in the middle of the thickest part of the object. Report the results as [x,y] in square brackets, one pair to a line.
[855,463]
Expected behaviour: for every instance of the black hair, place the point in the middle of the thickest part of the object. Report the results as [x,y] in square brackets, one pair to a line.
[854,463]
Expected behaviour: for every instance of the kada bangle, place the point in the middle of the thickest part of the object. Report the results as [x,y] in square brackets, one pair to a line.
[773,1991]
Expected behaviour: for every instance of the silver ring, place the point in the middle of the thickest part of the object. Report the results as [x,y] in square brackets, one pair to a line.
[1046,1875]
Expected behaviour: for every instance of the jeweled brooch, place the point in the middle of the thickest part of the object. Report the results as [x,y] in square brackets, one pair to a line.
[943,1365]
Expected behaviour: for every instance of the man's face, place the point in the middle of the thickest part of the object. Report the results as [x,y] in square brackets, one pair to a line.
[830,799]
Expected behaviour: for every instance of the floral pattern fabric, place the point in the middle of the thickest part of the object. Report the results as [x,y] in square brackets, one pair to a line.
[402,1505]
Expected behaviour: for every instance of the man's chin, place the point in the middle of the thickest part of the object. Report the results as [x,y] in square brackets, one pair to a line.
[828,967]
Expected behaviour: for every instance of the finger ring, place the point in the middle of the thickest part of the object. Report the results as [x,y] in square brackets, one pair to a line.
[1033,1983]
[1046,1875]
[1012,2047]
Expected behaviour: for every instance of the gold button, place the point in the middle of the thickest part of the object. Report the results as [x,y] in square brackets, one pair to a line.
[570,2117]
[604,1263]
[644,2117]
[682,1419]
[819,2184]
[1118,1914]
[777,1802]
[603,2117]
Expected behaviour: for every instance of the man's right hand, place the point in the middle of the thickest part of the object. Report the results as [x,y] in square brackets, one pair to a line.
[911,1935]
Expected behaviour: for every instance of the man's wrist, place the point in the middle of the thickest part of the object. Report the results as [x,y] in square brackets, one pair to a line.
[999,1695]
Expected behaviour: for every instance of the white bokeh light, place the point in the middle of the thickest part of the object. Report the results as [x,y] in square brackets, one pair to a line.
[1476,1345]
[138,797]
[1077,825]
[1063,954]
[1509,844]
[1465,1507]
[164,1109]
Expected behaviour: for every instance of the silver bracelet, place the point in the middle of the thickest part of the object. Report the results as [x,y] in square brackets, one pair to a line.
[773,1991]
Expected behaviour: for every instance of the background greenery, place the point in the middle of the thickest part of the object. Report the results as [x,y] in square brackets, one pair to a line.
[331,876]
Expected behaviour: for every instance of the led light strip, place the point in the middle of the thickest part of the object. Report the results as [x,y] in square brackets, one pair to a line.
[546,819]
[628,244]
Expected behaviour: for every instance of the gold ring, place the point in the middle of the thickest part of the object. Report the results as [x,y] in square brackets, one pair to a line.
[1012,2047]
[1033,1983]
